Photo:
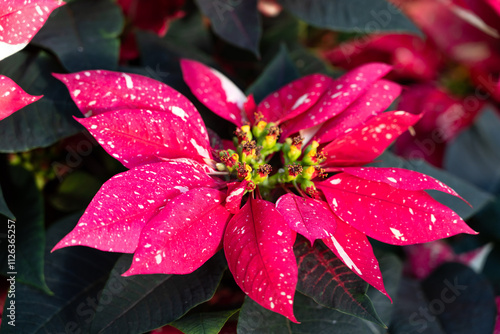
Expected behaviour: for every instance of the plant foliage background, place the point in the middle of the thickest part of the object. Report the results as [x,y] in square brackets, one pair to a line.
[51,167]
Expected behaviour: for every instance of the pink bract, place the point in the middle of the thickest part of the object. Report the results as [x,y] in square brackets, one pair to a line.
[20,21]
[13,97]
[182,200]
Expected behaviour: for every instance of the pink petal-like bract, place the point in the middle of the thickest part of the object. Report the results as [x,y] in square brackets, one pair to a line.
[235,192]
[400,178]
[294,98]
[365,143]
[215,91]
[20,20]
[13,97]
[353,248]
[136,137]
[344,91]
[388,214]
[183,236]
[97,92]
[376,99]
[125,203]
[152,15]
[309,217]
[259,251]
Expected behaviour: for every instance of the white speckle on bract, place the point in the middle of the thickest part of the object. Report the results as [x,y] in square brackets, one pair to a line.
[280,233]
[396,233]
[179,112]
[181,189]
[201,150]
[93,127]
[272,305]
[158,258]
[233,93]
[345,258]
[128,81]
[235,193]
[76,92]
[299,101]
[433,218]
[392,179]
[335,181]
[39,10]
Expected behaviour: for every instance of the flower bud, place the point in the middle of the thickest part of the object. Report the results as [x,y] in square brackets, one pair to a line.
[261,173]
[292,148]
[244,171]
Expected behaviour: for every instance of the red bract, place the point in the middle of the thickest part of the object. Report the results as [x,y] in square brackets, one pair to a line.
[443,118]
[12,97]
[20,20]
[153,15]
[173,212]
[423,259]
[411,56]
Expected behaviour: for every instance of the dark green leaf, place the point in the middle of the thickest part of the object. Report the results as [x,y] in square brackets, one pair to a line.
[141,303]
[203,323]
[462,300]
[84,35]
[4,209]
[27,204]
[76,275]
[44,122]
[76,191]
[308,63]
[406,318]
[476,197]
[315,318]
[323,277]
[391,268]
[276,75]
[353,15]
[474,154]
[236,21]
[486,221]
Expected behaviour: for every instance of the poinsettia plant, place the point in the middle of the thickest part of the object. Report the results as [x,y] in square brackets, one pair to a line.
[193,206]
[182,199]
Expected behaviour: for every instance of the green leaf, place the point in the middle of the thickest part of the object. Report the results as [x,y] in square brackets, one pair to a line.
[46,121]
[486,221]
[315,318]
[235,21]
[203,323]
[4,209]
[144,302]
[391,268]
[354,15]
[29,230]
[475,196]
[474,154]
[406,318]
[76,191]
[277,74]
[76,276]
[90,39]
[467,300]
[323,277]
[454,296]
[308,63]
